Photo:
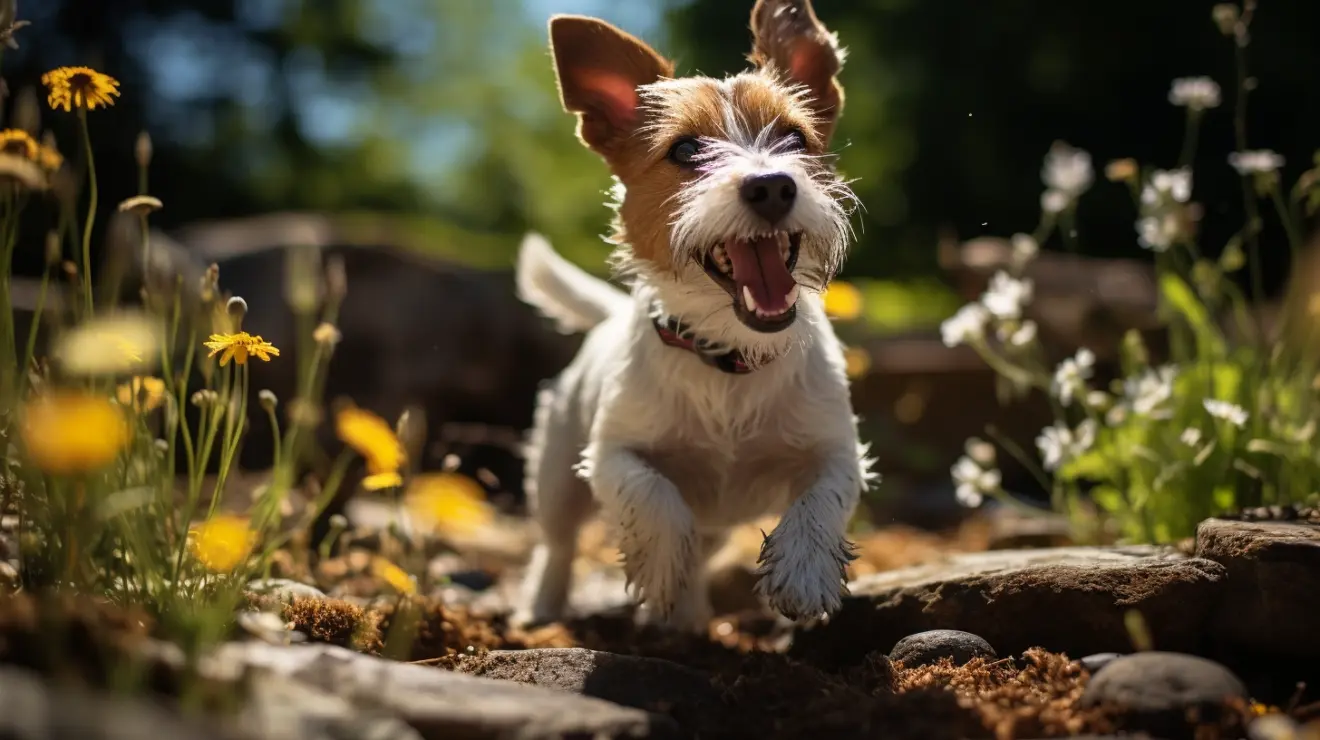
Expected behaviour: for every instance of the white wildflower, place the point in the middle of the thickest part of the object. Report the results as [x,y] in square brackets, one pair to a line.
[965,326]
[1071,375]
[1167,184]
[1017,335]
[1053,201]
[1067,170]
[1191,436]
[1197,93]
[1059,443]
[1149,390]
[1098,400]
[980,451]
[1230,412]
[973,481]
[1158,233]
[1025,249]
[1006,295]
[1260,161]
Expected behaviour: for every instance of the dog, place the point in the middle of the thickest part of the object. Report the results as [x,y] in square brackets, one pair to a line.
[712,391]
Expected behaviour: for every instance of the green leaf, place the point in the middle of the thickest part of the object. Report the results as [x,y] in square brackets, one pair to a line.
[1232,258]
[1224,498]
[1094,465]
[1181,298]
[1110,499]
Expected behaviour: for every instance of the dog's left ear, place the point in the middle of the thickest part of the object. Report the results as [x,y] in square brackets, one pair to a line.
[791,40]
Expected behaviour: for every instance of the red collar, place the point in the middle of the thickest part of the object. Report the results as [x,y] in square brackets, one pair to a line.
[675,334]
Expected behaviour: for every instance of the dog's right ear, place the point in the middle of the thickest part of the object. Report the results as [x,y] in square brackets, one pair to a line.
[599,69]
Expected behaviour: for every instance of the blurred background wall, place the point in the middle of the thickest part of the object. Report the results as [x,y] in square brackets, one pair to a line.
[433,125]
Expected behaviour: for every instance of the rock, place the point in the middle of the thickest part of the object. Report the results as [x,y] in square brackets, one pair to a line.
[282,590]
[649,684]
[1154,692]
[279,708]
[1070,600]
[9,575]
[31,709]
[1272,588]
[1093,663]
[435,702]
[925,648]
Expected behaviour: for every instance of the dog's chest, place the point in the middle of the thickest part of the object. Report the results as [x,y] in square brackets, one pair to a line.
[733,456]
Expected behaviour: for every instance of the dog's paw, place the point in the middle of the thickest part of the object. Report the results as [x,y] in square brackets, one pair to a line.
[802,579]
[658,568]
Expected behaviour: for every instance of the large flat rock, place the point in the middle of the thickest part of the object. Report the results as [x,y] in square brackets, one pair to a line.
[1071,599]
[1272,592]
[438,703]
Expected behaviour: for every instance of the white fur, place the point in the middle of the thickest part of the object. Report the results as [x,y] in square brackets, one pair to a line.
[674,452]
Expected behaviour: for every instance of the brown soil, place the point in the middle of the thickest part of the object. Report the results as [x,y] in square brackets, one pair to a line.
[764,692]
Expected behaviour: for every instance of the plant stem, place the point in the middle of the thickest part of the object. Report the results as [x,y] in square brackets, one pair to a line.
[91,210]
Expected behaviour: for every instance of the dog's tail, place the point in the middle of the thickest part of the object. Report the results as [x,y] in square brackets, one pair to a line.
[574,299]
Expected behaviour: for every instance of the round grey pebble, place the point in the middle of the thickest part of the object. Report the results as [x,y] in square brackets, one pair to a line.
[283,589]
[1154,691]
[1093,663]
[925,648]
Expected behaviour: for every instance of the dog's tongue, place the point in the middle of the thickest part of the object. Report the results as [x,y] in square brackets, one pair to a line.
[759,267]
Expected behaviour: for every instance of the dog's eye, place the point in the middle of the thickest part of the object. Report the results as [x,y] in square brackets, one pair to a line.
[684,151]
[796,141]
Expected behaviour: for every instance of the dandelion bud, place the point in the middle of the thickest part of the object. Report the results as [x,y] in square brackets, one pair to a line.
[70,269]
[237,309]
[1226,16]
[162,446]
[326,335]
[205,398]
[336,279]
[267,399]
[1121,170]
[27,111]
[142,150]
[302,289]
[210,283]
[54,250]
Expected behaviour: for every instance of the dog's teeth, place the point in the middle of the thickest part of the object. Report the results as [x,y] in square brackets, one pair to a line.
[748,301]
[792,296]
[783,239]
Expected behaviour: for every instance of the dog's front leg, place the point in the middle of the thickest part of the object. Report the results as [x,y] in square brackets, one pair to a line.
[655,527]
[803,561]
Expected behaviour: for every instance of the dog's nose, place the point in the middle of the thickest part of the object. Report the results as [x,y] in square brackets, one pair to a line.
[771,196]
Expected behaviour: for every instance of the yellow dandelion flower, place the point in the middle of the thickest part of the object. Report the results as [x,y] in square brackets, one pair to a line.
[856,362]
[373,439]
[239,347]
[397,578]
[381,481]
[843,301]
[448,502]
[126,343]
[222,542]
[79,87]
[49,158]
[67,432]
[142,394]
[19,143]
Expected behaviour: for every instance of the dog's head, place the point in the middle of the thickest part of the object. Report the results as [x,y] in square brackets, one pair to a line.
[727,200]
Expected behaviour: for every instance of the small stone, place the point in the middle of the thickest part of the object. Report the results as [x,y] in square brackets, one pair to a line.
[1154,691]
[283,590]
[1093,663]
[925,648]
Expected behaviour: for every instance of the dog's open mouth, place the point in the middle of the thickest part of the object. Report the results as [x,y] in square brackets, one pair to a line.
[758,273]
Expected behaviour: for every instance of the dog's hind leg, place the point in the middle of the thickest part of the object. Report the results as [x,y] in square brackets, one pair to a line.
[560,502]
